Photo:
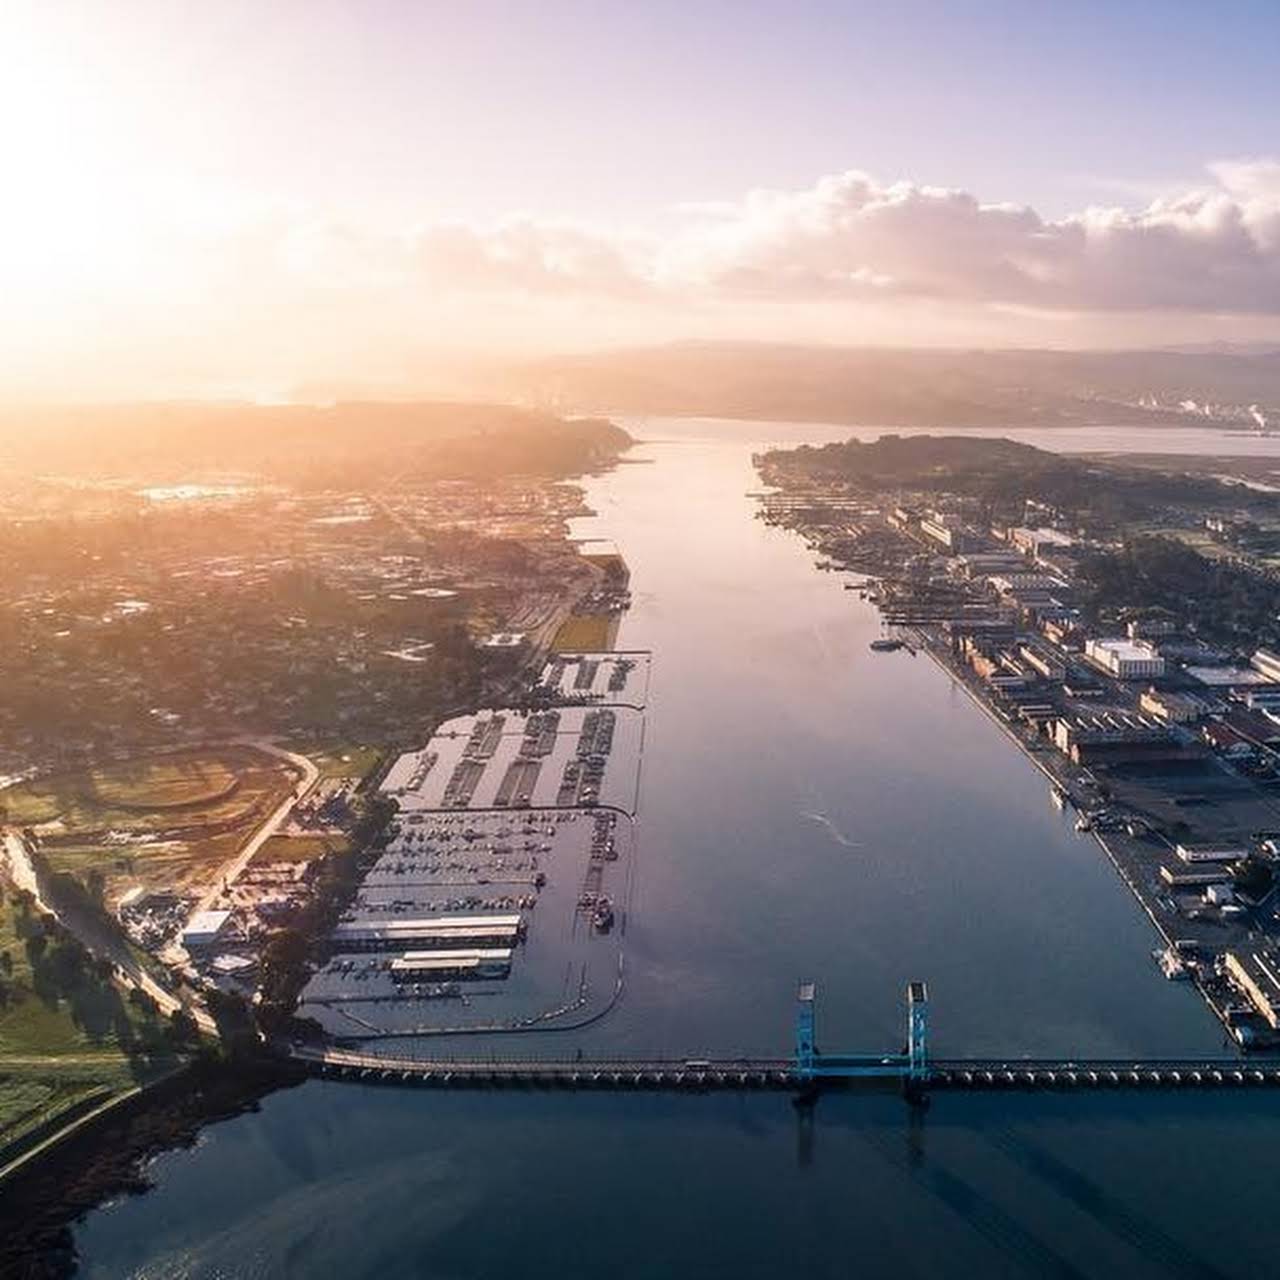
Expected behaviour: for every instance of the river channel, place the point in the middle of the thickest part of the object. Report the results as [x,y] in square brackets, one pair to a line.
[808,809]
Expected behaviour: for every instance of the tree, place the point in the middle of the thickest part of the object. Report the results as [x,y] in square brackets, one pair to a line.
[182,1027]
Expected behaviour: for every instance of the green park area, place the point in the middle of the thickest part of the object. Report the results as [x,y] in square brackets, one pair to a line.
[71,1036]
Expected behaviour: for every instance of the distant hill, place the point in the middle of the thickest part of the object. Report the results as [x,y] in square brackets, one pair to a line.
[909,387]
[302,445]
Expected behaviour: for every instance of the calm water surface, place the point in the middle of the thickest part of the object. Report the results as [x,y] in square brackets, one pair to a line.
[808,809]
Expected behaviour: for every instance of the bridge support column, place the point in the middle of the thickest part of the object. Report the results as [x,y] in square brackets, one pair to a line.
[917,1077]
[806,1048]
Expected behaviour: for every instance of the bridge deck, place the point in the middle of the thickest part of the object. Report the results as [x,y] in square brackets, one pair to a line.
[781,1073]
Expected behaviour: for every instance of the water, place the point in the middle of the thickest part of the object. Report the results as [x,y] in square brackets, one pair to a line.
[808,809]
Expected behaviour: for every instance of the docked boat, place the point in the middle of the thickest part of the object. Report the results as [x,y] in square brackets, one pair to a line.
[603,916]
[1084,823]
[1171,964]
[1058,796]
[886,644]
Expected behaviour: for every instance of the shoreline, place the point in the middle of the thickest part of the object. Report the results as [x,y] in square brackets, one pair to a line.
[91,1165]
[1063,781]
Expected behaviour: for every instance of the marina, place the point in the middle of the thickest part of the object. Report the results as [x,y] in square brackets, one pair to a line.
[500,903]
[767,707]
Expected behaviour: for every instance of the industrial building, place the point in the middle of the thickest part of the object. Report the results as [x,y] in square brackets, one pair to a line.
[1125,659]
[1199,878]
[1227,741]
[1114,736]
[1171,708]
[451,931]
[430,966]
[1035,541]
[1262,697]
[1256,975]
[1151,625]
[1266,663]
[947,532]
[204,929]
[1211,853]
[1044,660]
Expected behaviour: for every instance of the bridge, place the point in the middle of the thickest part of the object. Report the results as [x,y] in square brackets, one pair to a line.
[807,1071]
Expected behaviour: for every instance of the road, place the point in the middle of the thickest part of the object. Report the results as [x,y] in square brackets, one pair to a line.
[101,942]
[309,775]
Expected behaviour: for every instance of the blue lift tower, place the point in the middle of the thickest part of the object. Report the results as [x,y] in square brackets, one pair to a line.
[911,1066]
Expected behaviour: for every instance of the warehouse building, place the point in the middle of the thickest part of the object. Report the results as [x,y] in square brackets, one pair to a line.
[204,929]
[1171,708]
[1125,659]
[948,532]
[1267,663]
[1114,736]
[436,966]
[1211,853]
[1197,878]
[1256,975]
[447,931]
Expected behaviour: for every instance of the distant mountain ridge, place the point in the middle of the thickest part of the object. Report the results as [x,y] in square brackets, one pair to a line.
[921,387]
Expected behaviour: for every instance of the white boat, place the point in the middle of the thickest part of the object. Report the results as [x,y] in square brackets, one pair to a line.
[1171,964]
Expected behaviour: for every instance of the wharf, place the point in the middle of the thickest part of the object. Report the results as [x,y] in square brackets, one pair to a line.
[1136,859]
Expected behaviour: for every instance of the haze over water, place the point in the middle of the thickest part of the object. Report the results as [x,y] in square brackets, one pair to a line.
[808,809]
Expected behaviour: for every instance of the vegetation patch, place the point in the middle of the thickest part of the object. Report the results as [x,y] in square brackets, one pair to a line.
[301,848]
[70,1035]
[592,633]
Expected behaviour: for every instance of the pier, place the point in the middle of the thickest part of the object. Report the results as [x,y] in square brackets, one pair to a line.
[806,1071]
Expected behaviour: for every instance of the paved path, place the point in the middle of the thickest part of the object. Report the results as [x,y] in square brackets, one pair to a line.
[100,941]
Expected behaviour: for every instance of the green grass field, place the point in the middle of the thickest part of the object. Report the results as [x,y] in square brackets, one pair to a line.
[299,848]
[69,1037]
[586,634]
[345,760]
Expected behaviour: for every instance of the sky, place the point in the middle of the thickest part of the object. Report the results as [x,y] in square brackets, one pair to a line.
[246,198]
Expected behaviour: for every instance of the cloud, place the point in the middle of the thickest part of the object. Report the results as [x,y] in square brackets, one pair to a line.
[232,282]
[530,257]
[850,237]
[1215,250]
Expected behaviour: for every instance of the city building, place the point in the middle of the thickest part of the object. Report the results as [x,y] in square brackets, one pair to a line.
[1125,659]
[1226,741]
[1267,663]
[1114,736]
[433,966]
[1211,852]
[1262,697]
[1062,630]
[1044,660]
[947,531]
[1253,726]
[1172,708]
[449,931]
[1034,541]
[204,929]
[1151,625]
[1257,976]
[1195,878]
